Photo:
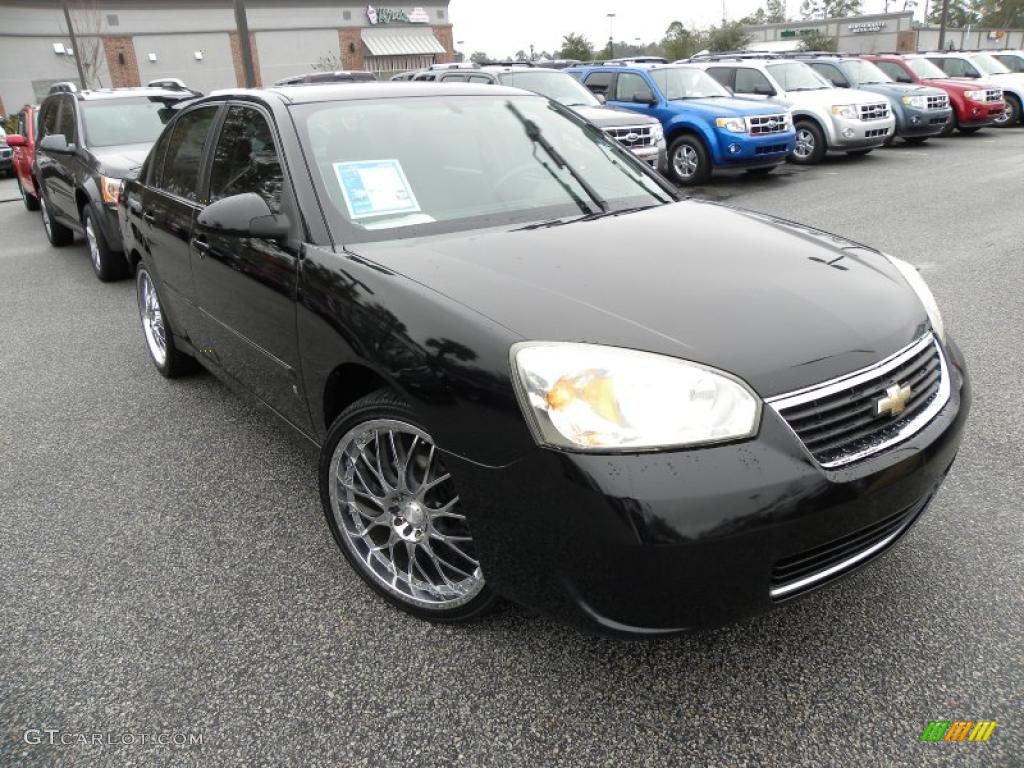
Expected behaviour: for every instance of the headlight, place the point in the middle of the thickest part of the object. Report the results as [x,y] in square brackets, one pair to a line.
[590,397]
[918,102]
[657,133]
[734,124]
[849,111]
[914,279]
[976,95]
[110,188]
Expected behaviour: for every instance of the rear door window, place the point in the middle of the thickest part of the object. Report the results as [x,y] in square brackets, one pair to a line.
[186,144]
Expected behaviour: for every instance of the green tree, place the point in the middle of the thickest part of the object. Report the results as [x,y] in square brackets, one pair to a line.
[829,9]
[521,55]
[680,42]
[1002,14]
[758,17]
[818,41]
[479,57]
[775,11]
[961,13]
[731,36]
[576,47]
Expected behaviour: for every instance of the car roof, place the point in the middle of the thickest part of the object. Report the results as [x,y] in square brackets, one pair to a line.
[311,94]
[499,68]
[125,93]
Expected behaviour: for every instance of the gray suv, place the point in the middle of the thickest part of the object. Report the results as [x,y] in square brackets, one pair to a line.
[640,134]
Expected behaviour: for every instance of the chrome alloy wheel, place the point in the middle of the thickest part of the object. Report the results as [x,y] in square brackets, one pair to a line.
[685,161]
[94,246]
[152,319]
[397,510]
[804,143]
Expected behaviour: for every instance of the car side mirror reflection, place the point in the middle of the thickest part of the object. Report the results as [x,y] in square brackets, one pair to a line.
[56,142]
[245,215]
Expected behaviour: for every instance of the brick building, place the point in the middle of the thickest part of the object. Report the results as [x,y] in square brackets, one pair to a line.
[129,42]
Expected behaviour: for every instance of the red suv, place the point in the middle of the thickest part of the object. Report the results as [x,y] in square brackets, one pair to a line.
[24,145]
[975,104]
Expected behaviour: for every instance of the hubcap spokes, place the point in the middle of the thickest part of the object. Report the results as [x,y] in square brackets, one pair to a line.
[152,320]
[685,161]
[804,143]
[398,512]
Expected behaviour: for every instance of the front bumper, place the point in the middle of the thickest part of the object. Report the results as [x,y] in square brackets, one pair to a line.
[654,155]
[977,114]
[923,122]
[745,151]
[664,542]
[860,134]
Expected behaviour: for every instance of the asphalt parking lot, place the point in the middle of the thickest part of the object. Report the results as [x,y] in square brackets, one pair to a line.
[165,566]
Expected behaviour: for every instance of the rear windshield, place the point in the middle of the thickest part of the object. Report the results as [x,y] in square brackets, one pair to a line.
[393,168]
[115,122]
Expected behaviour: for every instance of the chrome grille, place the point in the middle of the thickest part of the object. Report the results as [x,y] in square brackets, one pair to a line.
[878,111]
[993,94]
[761,124]
[938,102]
[633,136]
[839,421]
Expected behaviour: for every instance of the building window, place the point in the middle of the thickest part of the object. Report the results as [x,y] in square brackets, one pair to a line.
[346,15]
[113,20]
[440,13]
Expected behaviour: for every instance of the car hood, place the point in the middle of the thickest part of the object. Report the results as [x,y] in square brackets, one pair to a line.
[966,84]
[120,161]
[780,305]
[607,117]
[729,107]
[900,89]
[1007,80]
[826,97]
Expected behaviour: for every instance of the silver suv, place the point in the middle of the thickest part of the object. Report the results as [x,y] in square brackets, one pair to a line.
[827,119]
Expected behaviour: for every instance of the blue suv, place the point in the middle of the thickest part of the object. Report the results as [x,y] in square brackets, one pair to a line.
[705,127]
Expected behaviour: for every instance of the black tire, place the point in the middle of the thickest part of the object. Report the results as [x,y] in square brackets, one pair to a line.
[1012,112]
[385,410]
[915,139]
[31,201]
[173,363]
[808,131]
[860,152]
[763,171]
[950,126]
[970,131]
[109,265]
[688,161]
[56,233]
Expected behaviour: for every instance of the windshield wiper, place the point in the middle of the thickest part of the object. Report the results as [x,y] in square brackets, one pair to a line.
[585,217]
[534,133]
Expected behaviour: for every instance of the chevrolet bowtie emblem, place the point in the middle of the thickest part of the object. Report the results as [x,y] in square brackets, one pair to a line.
[894,402]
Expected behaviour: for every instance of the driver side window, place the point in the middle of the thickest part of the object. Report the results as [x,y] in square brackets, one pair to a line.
[831,73]
[629,85]
[246,159]
[751,81]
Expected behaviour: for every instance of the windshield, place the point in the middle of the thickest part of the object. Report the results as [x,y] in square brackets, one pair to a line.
[988,64]
[925,69]
[686,83]
[394,168]
[865,72]
[795,76]
[562,87]
[114,122]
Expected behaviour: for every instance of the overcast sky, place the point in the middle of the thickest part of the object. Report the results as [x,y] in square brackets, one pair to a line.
[500,29]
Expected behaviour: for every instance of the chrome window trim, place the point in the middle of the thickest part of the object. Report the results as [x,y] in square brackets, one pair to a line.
[791,399]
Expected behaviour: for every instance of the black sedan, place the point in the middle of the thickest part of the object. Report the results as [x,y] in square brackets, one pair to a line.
[532,371]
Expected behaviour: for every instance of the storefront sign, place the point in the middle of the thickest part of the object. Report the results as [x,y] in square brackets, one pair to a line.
[867,26]
[396,16]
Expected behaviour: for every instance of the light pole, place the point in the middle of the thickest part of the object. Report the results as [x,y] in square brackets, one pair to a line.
[611,35]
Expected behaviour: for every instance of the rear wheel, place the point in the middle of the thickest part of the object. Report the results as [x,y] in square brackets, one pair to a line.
[688,161]
[56,233]
[395,513]
[107,264]
[168,359]
[810,144]
[31,201]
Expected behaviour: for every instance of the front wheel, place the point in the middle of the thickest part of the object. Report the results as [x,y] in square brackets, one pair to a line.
[688,161]
[1011,115]
[156,332]
[31,201]
[395,512]
[810,144]
[949,127]
[106,263]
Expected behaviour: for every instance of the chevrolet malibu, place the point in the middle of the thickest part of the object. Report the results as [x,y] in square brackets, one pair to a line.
[531,370]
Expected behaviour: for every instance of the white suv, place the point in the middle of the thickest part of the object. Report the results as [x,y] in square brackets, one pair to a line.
[827,119]
[982,64]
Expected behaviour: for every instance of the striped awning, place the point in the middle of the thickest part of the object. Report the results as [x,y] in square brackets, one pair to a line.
[402,41]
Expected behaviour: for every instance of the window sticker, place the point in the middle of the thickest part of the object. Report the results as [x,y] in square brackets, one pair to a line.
[375,187]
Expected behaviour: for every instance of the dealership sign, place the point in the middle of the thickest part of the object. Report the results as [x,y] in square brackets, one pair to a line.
[867,26]
[396,16]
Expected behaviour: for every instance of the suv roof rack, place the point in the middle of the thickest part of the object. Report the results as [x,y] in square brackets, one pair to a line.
[65,86]
[508,63]
[455,65]
[734,56]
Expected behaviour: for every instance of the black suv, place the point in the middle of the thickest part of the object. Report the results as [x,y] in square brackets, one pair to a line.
[88,143]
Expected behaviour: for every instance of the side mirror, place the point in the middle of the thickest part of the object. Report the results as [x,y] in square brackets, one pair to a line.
[245,215]
[841,84]
[644,97]
[15,140]
[764,90]
[904,79]
[56,142]
[600,97]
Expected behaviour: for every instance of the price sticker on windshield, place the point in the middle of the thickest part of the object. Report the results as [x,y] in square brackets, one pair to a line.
[375,188]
